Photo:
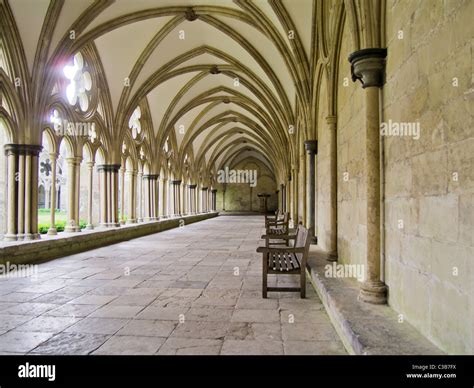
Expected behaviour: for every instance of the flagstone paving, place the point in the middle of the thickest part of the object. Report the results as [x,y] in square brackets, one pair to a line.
[189,290]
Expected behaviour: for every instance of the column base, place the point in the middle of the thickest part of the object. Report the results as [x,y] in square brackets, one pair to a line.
[89,227]
[373,292]
[314,240]
[52,232]
[131,221]
[110,225]
[122,222]
[10,237]
[332,256]
[72,229]
[140,220]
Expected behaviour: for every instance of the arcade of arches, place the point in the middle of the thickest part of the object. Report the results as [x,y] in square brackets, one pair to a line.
[355,115]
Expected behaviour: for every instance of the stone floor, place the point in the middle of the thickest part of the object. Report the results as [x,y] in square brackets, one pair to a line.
[189,290]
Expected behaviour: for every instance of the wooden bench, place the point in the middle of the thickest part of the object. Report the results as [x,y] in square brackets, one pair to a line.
[272,217]
[278,226]
[285,260]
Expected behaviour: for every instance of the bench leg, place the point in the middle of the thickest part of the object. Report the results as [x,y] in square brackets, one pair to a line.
[264,276]
[303,283]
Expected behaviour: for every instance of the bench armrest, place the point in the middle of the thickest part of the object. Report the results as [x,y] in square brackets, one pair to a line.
[278,236]
[280,250]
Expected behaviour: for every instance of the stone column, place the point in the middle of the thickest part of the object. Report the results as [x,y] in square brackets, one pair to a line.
[164,200]
[214,200]
[368,66]
[21,194]
[52,220]
[22,191]
[311,147]
[140,196]
[73,165]
[204,199]
[223,198]
[11,234]
[151,197]
[283,197]
[156,192]
[122,195]
[176,208]
[332,182]
[132,189]
[192,198]
[109,194]
[182,195]
[90,193]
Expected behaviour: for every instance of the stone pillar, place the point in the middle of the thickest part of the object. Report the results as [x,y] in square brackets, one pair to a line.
[368,66]
[192,199]
[90,192]
[182,195]
[140,196]
[176,205]
[293,201]
[311,147]
[214,200]
[151,197]
[122,194]
[332,182]
[164,200]
[283,199]
[204,199]
[73,164]
[109,194]
[132,190]
[223,198]
[52,217]
[22,191]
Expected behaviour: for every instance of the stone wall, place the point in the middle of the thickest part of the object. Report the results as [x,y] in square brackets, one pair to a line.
[430,181]
[323,205]
[240,197]
[351,182]
[65,244]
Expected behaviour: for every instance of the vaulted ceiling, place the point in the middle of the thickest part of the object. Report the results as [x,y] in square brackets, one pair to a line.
[218,78]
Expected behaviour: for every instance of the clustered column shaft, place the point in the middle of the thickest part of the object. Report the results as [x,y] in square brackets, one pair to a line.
[22,188]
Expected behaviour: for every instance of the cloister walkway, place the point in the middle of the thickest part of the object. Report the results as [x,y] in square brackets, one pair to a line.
[189,290]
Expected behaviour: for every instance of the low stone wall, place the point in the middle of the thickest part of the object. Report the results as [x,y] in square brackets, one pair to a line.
[64,244]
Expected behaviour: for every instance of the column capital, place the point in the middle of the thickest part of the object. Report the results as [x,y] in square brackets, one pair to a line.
[109,167]
[368,66]
[192,186]
[151,177]
[176,182]
[204,188]
[214,191]
[90,164]
[74,160]
[22,149]
[311,146]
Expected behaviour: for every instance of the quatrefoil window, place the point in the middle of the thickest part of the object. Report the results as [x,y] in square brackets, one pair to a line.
[80,83]
[134,122]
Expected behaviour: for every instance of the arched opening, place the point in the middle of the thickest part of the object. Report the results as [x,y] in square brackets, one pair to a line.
[3,180]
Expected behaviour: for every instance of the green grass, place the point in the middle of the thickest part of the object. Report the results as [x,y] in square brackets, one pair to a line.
[60,220]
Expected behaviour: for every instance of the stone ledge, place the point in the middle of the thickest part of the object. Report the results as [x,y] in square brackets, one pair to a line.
[364,329]
[64,244]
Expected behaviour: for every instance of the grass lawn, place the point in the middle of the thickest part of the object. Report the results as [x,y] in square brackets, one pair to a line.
[60,220]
